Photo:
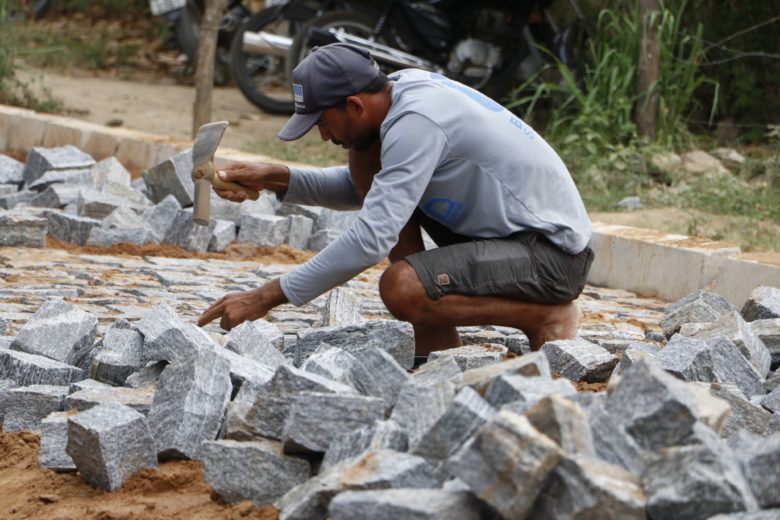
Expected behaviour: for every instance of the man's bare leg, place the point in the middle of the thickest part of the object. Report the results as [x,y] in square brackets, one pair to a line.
[363,166]
[406,298]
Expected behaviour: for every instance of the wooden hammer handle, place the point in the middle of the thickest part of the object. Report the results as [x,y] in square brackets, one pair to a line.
[232,186]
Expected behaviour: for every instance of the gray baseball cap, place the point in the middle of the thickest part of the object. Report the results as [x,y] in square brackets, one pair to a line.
[323,79]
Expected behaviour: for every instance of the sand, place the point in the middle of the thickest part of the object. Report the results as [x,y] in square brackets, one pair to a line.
[176,491]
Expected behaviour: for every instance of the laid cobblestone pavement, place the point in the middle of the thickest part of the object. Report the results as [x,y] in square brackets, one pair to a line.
[113,287]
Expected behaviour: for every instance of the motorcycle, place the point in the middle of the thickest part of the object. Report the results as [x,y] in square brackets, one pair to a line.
[491,45]
[184,18]
[259,52]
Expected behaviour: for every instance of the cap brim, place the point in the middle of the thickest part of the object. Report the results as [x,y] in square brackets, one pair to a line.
[299,125]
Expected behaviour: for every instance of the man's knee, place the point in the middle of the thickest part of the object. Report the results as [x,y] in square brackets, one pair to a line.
[402,292]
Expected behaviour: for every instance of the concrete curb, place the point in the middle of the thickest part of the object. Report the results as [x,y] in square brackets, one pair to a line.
[642,261]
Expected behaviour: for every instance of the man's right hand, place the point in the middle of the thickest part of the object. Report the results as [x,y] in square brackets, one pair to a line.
[257,176]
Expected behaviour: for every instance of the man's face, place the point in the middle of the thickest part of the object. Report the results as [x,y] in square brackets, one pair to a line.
[341,127]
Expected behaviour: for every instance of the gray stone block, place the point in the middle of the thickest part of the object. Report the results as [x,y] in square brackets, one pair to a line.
[78,177]
[565,423]
[697,307]
[85,384]
[744,415]
[631,355]
[103,237]
[20,230]
[265,205]
[5,386]
[653,407]
[110,171]
[378,436]
[300,231]
[29,369]
[341,308]
[378,374]
[223,234]
[58,330]
[579,360]
[41,160]
[235,426]
[271,402]
[506,463]
[123,218]
[533,364]
[382,469]
[333,220]
[395,337]
[56,196]
[139,399]
[108,443]
[185,233]
[256,471]
[439,371]
[316,419]
[583,487]
[417,504]
[472,356]
[760,458]
[146,376]
[189,404]
[11,171]
[222,209]
[160,216]
[518,344]
[733,327]
[171,177]
[120,355]
[243,369]
[167,337]
[696,481]
[263,230]
[419,406]
[611,441]
[506,389]
[20,198]
[771,401]
[321,239]
[769,514]
[763,304]
[768,331]
[26,406]
[136,198]
[333,363]
[99,204]
[465,415]
[54,441]
[257,340]
[715,360]
[70,228]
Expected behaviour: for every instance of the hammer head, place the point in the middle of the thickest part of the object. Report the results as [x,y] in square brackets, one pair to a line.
[203,150]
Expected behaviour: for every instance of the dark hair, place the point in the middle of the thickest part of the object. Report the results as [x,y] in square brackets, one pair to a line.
[376,85]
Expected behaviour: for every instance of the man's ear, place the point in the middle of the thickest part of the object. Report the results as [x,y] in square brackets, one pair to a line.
[356,105]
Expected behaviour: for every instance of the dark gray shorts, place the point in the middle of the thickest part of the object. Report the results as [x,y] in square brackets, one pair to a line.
[524,266]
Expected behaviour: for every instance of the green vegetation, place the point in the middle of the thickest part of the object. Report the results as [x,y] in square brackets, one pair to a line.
[589,119]
[12,90]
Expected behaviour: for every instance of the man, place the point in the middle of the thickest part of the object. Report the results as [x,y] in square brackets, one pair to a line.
[426,151]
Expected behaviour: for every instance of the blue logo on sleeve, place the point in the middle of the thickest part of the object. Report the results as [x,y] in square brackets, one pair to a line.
[444,210]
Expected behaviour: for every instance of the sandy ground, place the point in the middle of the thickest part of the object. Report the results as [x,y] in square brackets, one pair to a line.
[176,490]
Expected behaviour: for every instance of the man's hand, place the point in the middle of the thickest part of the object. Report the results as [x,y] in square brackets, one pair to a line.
[236,308]
[258,176]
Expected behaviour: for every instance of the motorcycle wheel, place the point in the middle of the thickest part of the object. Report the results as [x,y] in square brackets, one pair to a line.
[262,78]
[358,24]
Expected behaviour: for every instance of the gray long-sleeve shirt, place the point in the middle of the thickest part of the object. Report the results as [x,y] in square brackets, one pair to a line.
[462,159]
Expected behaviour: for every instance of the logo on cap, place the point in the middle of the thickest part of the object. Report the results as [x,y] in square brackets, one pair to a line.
[298,92]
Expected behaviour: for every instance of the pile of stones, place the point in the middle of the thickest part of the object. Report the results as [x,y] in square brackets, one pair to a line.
[64,193]
[336,422]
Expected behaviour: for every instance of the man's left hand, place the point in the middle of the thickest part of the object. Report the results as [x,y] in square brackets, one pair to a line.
[236,308]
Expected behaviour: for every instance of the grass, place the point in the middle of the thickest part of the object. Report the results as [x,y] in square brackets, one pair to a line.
[309,150]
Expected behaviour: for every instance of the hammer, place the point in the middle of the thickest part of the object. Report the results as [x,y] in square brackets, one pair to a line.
[204,174]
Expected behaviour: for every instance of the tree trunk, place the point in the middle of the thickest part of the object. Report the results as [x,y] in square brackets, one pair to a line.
[646,110]
[204,72]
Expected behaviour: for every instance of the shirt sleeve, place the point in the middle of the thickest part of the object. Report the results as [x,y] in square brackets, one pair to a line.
[411,150]
[326,187]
